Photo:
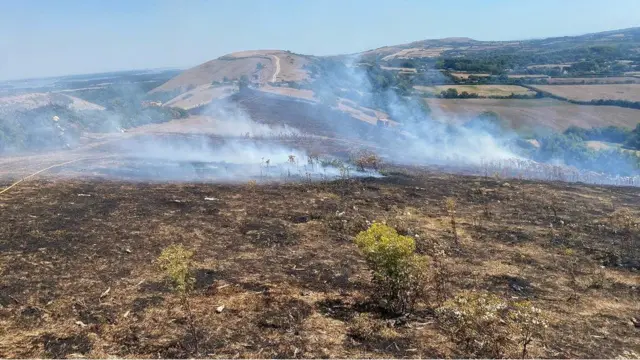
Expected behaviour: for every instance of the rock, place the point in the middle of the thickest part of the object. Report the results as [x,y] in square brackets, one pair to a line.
[80,323]
[219,309]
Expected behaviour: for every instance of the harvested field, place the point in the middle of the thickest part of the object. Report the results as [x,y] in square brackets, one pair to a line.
[79,277]
[417,53]
[547,66]
[534,113]
[600,80]
[481,90]
[630,92]
[461,75]
[527,76]
[399,69]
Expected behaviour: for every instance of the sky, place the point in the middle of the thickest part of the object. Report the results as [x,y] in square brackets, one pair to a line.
[61,37]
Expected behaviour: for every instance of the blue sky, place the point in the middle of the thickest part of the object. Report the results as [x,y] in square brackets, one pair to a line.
[57,37]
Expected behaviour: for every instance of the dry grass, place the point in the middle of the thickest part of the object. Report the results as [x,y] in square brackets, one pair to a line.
[532,113]
[233,66]
[629,92]
[281,260]
[482,90]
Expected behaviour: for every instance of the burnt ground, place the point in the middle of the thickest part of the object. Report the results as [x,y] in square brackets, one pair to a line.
[281,260]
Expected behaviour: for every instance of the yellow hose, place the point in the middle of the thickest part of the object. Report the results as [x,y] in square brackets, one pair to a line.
[38,172]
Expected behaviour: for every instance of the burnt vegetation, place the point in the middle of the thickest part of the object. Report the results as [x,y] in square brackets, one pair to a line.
[325,269]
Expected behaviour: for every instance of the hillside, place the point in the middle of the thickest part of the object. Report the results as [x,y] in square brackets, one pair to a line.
[432,48]
[31,101]
[260,67]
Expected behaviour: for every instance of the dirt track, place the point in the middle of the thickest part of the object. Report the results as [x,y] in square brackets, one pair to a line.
[277,69]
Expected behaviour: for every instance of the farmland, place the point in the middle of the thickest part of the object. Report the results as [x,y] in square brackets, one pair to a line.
[630,92]
[593,80]
[481,90]
[534,113]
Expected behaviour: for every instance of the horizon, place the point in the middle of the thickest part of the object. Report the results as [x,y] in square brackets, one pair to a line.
[73,37]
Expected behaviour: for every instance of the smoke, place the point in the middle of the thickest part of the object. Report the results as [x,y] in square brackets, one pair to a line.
[418,138]
[470,143]
[231,120]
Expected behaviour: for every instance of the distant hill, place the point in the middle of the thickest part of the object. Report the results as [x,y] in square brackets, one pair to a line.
[31,101]
[259,66]
[629,38]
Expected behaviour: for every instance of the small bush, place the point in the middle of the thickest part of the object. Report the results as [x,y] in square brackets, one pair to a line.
[366,160]
[528,323]
[474,321]
[398,273]
[175,261]
[484,325]
[623,219]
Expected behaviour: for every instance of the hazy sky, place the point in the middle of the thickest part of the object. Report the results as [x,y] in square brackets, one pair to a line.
[57,37]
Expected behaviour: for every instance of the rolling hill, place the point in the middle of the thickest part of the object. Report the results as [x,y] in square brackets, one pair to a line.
[260,67]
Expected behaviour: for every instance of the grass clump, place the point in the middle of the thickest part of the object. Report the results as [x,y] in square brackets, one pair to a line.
[398,272]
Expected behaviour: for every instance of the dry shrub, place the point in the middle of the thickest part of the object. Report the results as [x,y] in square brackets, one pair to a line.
[364,160]
[363,328]
[398,272]
[623,219]
[475,322]
[527,323]
[450,204]
[483,325]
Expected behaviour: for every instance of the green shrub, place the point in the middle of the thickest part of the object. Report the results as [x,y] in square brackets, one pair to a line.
[398,273]
[175,261]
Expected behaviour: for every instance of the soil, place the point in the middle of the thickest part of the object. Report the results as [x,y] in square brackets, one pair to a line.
[280,258]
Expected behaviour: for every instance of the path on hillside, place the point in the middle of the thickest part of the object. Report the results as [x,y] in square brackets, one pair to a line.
[275,74]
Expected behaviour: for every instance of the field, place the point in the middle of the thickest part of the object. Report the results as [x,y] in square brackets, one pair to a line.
[81,280]
[481,90]
[528,76]
[594,80]
[533,113]
[630,92]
